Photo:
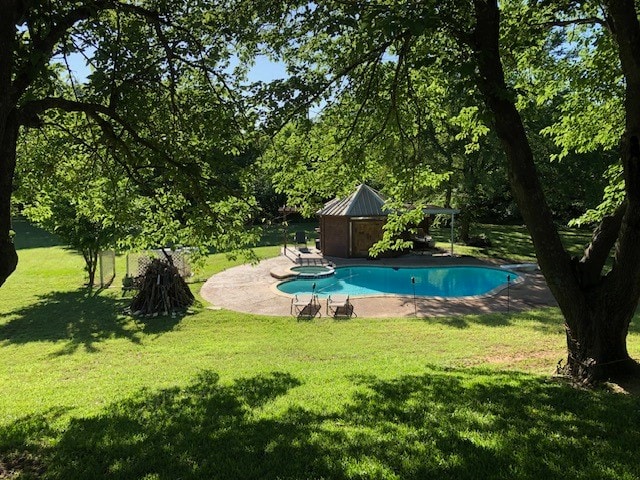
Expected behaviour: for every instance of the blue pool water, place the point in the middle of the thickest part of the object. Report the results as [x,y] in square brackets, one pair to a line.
[429,281]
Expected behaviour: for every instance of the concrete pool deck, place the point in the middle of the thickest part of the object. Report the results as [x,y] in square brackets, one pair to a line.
[251,289]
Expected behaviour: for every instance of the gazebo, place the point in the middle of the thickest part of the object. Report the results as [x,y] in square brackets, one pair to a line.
[350,226]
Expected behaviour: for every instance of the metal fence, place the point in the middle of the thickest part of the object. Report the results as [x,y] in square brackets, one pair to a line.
[107,264]
[138,262]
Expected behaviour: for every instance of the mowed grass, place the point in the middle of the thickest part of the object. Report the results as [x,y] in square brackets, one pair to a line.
[510,242]
[88,392]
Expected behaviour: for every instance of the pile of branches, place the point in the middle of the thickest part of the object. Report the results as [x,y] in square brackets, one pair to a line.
[162,291]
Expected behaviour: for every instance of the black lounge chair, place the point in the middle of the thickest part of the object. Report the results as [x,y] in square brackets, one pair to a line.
[422,240]
[340,306]
[305,306]
[301,238]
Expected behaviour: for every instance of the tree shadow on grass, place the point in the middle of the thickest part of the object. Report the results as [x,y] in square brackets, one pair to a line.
[444,424]
[548,320]
[158,325]
[466,321]
[21,452]
[470,424]
[205,430]
[29,236]
[78,320]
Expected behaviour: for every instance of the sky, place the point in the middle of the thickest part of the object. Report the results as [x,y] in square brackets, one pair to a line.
[267,70]
[263,70]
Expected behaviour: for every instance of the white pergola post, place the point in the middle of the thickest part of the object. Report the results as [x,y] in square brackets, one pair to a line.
[433,210]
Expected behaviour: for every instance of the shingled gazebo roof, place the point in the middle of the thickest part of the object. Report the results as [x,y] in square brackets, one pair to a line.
[364,202]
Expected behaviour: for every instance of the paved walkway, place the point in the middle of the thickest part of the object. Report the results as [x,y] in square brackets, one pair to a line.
[251,289]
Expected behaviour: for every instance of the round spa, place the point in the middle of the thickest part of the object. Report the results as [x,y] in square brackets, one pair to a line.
[313,271]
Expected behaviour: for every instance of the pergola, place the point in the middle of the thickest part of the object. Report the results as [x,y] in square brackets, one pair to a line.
[434,210]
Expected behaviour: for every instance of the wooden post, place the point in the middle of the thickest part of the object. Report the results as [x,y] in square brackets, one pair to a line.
[285,210]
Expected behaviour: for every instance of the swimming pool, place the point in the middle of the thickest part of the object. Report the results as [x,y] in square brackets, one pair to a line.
[455,281]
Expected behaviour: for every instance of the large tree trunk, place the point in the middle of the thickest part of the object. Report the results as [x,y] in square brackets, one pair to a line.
[597,309]
[8,137]
[8,255]
[597,344]
[465,224]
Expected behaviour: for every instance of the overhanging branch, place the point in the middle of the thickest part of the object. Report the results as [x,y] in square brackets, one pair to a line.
[33,108]
[42,47]
[95,111]
[367,58]
[574,21]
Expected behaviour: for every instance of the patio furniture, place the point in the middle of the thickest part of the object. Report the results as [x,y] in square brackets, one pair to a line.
[305,306]
[301,238]
[340,306]
[422,240]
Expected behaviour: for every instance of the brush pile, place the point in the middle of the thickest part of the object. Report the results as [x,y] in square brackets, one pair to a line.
[162,291]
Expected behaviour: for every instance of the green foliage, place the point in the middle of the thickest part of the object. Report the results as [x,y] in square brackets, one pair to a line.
[571,91]
[398,119]
[438,423]
[395,85]
[403,218]
[155,145]
[71,193]
[614,195]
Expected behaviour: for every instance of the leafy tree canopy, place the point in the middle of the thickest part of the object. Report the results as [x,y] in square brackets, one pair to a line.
[160,106]
[530,72]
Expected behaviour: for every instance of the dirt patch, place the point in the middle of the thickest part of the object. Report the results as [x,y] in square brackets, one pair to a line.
[535,360]
[16,464]
[518,357]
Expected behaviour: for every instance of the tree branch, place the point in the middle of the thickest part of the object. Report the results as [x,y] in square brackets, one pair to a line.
[597,252]
[523,177]
[358,115]
[574,21]
[625,275]
[34,108]
[42,47]
[94,111]
[323,87]
[400,67]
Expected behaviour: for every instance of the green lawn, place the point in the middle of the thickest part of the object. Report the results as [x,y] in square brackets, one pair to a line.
[510,242]
[88,392]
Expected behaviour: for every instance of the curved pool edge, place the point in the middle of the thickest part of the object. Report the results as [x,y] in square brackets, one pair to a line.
[248,289]
[518,280]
